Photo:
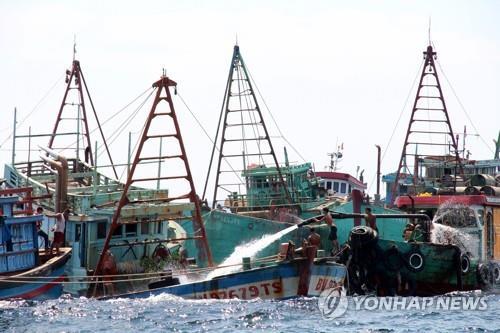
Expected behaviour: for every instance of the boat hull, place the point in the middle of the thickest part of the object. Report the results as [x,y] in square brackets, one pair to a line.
[48,277]
[279,281]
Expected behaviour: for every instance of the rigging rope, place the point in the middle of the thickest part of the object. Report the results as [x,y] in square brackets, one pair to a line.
[32,110]
[272,117]
[462,106]
[397,122]
[208,136]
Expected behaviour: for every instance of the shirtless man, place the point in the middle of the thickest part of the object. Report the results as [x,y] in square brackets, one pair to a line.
[314,238]
[370,219]
[333,229]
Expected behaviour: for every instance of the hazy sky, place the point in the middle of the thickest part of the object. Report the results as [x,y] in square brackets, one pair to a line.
[330,71]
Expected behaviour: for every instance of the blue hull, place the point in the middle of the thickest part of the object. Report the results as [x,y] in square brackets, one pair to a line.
[279,281]
[47,288]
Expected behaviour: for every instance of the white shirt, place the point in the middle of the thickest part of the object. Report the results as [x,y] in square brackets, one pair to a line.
[60,223]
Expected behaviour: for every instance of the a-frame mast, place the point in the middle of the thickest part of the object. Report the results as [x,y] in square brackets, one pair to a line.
[162,95]
[75,80]
[240,115]
[429,108]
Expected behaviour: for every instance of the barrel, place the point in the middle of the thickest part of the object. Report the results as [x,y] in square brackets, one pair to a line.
[482,180]
[491,190]
[472,190]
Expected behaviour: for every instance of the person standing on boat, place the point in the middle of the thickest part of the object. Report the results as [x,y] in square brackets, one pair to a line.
[39,225]
[333,229]
[370,219]
[314,238]
[58,233]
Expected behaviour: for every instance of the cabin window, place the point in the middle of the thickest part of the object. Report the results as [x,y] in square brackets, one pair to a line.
[159,228]
[101,230]
[350,189]
[336,186]
[343,187]
[328,185]
[118,231]
[144,228]
[130,230]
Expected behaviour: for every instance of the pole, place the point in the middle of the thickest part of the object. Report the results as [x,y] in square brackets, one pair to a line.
[129,152]
[377,195]
[159,167]
[14,138]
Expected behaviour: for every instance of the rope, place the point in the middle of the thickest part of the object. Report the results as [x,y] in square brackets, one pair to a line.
[397,122]
[33,110]
[208,136]
[111,117]
[272,117]
[463,108]
[149,276]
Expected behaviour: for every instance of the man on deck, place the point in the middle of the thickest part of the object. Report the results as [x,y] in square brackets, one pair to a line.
[333,229]
[370,219]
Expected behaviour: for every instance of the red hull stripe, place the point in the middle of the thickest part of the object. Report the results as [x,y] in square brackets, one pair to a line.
[43,289]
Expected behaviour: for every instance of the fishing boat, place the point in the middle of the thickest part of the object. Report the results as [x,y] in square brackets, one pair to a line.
[294,277]
[253,193]
[457,249]
[145,236]
[25,271]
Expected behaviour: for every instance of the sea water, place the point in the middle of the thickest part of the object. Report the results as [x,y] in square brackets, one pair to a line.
[165,313]
[459,214]
[250,250]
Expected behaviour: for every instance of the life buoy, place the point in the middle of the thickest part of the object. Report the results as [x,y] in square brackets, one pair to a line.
[496,274]
[415,261]
[464,263]
[392,259]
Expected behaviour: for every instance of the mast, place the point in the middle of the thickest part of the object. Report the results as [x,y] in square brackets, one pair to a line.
[158,126]
[244,139]
[429,109]
[75,80]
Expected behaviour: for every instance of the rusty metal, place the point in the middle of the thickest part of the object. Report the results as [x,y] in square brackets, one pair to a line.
[239,70]
[428,69]
[201,241]
[76,80]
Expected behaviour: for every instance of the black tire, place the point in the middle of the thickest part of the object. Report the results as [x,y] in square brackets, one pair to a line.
[496,274]
[484,275]
[361,236]
[415,261]
[392,259]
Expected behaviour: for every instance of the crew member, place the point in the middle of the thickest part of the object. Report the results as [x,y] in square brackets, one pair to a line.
[314,238]
[58,229]
[39,225]
[333,229]
[370,219]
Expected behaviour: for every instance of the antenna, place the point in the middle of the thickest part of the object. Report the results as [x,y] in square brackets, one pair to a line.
[429,31]
[236,39]
[74,47]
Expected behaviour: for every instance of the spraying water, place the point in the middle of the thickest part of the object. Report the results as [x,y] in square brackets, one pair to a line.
[249,249]
[448,221]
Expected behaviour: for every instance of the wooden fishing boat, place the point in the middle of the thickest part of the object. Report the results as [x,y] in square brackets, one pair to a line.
[303,276]
[146,235]
[25,271]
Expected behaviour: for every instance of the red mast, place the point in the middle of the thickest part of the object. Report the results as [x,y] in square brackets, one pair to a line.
[75,80]
[429,109]
[158,121]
